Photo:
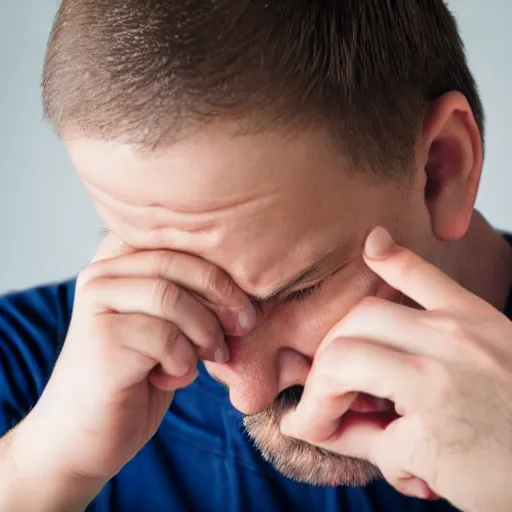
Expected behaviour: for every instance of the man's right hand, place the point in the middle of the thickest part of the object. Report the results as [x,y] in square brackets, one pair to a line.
[141,321]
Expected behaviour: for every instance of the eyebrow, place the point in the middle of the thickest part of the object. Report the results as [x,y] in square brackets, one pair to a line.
[339,253]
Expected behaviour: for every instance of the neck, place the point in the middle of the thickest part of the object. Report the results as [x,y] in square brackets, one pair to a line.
[482,262]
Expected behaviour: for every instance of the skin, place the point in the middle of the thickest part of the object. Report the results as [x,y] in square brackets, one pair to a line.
[446,367]
[255,182]
[264,208]
[227,199]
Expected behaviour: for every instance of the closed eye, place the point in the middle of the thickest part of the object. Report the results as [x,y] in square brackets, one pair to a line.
[303,294]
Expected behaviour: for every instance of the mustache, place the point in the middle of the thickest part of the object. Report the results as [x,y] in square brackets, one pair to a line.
[285,401]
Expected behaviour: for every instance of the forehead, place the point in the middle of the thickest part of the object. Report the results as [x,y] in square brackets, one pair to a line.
[213,168]
[263,207]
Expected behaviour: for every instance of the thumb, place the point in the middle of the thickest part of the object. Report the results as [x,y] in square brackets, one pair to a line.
[388,446]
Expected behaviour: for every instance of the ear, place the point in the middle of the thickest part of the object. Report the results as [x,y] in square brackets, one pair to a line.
[453,156]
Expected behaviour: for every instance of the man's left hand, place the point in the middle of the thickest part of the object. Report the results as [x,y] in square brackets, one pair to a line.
[448,371]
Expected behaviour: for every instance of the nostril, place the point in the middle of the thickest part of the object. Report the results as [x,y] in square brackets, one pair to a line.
[290,396]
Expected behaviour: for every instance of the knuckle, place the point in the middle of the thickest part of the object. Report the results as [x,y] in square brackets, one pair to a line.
[366,308]
[423,365]
[460,340]
[358,315]
[170,333]
[92,289]
[217,281]
[454,328]
[348,349]
[417,363]
[438,376]
[88,274]
[162,262]
[370,301]
[167,294]
[329,359]
[324,357]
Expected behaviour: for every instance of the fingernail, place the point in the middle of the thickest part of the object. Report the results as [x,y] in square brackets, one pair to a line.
[378,243]
[247,319]
[222,355]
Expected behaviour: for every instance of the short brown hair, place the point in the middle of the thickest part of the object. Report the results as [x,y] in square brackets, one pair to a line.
[144,70]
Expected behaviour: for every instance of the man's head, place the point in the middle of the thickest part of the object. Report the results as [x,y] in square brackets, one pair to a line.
[268,138]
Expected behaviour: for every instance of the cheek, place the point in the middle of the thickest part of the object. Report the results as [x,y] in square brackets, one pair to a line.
[301,326]
[278,354]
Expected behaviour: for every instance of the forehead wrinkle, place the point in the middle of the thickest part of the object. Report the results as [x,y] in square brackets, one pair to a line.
[159,218]
[203,207]
[227,202]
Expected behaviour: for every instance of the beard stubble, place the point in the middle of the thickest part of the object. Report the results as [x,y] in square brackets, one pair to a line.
[299,460]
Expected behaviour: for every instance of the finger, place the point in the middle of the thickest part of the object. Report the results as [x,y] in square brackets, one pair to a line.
[317,424]
[355,435]
[165,382]
[111,247]
[161,342]
[179,357]
[137,346]
[161,299]
[210,285]
[387,445]
[412,275]
[390,324]
[345,367]
[178,361]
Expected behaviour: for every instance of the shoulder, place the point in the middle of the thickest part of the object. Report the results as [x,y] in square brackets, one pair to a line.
[35,316]
[33,325]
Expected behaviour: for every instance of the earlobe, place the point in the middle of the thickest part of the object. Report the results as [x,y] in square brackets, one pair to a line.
[453,165]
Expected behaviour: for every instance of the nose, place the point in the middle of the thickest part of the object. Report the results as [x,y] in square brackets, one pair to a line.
[256,378]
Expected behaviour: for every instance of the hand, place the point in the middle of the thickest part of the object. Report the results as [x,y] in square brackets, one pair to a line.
[448,371]
[141,322]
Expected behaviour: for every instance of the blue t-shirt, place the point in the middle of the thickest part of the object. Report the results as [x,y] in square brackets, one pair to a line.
[199,460]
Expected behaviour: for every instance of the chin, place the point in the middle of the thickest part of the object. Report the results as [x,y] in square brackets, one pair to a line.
[301,461]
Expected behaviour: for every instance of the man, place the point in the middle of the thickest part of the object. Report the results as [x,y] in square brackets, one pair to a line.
[240,154]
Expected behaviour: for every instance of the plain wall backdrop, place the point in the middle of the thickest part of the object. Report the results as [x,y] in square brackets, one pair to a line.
[49,230]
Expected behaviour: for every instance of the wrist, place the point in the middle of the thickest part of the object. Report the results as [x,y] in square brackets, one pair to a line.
[35,481]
